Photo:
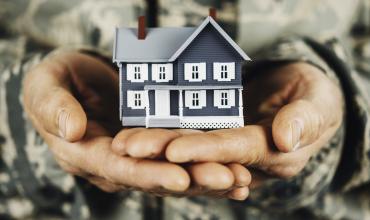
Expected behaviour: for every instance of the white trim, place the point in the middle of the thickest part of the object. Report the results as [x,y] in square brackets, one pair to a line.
[196,33]
[160,76]
[137,99]
[220,74]
[181,108]
[137,72]
[195,72]
[120,91]
[240,102]
[203,122]
[196,99]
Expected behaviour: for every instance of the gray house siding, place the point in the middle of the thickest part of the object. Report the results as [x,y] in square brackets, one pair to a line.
[209,46]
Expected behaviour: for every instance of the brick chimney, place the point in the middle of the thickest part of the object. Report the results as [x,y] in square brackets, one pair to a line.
[212,13]
[141,30]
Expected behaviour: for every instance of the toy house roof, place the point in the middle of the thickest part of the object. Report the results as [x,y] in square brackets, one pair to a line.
[161,44]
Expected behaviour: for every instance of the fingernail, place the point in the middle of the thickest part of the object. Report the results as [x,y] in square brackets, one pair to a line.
[62,123]
[297,127]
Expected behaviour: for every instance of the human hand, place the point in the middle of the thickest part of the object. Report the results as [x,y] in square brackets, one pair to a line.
[70,98]
[295,110]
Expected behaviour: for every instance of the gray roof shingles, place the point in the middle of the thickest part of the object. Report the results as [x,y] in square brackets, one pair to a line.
[161,44]
[158,46]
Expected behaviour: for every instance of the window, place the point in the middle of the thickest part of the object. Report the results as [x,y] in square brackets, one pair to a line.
[162,72]
[137,72]
[195,72]
[195,99]
[224,98]
[223,71]
[136,99]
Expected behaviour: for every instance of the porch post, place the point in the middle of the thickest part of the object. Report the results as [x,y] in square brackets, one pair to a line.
[180,104]
[147,109]
[240,103]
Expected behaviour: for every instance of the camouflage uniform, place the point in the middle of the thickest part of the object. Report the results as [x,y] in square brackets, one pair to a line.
[333,185]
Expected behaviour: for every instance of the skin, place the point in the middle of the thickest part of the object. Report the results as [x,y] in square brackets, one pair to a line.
[71,99]
[295,114]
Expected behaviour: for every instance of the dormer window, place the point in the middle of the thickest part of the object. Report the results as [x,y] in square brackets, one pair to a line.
[195,72]
[223,71]
[162,72]
[137,72]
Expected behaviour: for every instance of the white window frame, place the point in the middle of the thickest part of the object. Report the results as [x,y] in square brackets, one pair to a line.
[195,72]
[196,99]
[137,99]
[162,72]
[137,72]
[224,98]
[224,71]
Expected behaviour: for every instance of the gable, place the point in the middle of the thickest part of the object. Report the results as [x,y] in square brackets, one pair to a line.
[209,22]
[209,46]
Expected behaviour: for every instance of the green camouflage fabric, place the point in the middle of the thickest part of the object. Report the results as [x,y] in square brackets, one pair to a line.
[335,184]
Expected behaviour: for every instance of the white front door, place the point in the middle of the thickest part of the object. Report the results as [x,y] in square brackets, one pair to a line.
[162,103]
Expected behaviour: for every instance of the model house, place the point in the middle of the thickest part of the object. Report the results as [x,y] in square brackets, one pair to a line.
[183,77]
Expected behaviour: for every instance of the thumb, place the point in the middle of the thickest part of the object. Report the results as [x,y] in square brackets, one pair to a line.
[50,104]
[62,115]
[297,124]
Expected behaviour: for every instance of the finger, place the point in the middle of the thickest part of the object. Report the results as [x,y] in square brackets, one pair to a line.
[119,144]
[247,145]
[104,185]
[239,194]
[241,174]
[149,143]
[211,176]
[146,174]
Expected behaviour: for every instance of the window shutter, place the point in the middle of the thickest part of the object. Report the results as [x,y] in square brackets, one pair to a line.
[130,98]
[187,71]
[231,70]
[217,98]
[231,98]
[188,98]
[144,72]
[203,98]
[155,72]
[216,71]
[169,71]
[129,72]
[202,71]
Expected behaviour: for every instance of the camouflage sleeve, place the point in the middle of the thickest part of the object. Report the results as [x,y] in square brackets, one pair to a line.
[64,23]
[332,175]
[317,176]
